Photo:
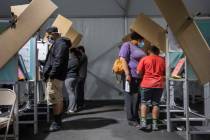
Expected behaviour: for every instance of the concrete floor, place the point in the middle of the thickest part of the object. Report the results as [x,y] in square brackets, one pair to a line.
[99,122]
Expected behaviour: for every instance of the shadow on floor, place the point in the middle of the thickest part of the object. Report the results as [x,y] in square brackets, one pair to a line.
[93,112]
[89,104]
[88,123]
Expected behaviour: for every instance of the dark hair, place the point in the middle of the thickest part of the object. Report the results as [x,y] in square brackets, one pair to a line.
[153,49]
[76,52]
[82,48]
[68,41]
[52,30]
[135,36]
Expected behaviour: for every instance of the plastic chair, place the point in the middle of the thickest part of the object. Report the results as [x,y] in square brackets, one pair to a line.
[7,98]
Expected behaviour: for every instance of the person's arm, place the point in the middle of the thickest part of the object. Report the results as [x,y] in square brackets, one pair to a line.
[123,54]
[140,68]
[125,68]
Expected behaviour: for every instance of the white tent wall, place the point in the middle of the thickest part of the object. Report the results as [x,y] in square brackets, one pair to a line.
[100,38]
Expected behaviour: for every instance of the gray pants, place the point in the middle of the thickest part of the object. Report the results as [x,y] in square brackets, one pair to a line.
[131,106]
[81,86]
[71,88]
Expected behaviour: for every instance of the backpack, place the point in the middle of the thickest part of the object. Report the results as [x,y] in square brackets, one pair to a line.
[117,67]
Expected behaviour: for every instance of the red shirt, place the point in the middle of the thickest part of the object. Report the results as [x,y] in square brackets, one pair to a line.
[152,69]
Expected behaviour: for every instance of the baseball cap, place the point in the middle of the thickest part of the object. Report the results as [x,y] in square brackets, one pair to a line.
[52,30]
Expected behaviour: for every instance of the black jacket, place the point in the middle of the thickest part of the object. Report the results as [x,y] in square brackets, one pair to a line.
[73,66]
[57,60]
[83,66]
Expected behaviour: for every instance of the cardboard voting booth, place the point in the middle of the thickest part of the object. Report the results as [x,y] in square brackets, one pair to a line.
[63,24]
[150,30]
[74,36]
[18,9]
[188,35]
[28,23]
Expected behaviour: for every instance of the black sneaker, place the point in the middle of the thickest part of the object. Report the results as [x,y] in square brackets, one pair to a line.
[54,127]
[143,125]
[155,127]
[133,123]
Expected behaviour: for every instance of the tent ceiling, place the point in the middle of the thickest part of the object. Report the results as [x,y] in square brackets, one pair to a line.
[108,8]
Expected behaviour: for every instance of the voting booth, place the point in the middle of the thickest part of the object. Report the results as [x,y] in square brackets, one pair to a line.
[150,30]
[65,28]
[74,36]
[192,40]
[30,18]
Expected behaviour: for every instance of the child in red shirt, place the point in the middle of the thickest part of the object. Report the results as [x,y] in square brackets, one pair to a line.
[152,70]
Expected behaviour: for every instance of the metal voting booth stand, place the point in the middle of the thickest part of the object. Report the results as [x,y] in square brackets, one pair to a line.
[171,107]
[18,111]
[36,91]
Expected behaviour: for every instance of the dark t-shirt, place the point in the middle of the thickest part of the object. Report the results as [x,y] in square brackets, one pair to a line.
[83,66]
[73,66]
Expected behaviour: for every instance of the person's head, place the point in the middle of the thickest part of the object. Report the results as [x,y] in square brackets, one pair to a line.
[153,50]
[76,52]
[126,38]
[81,48]
[136,38]
[52,34]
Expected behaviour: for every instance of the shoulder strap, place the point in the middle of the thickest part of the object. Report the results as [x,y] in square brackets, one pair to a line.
[129,51]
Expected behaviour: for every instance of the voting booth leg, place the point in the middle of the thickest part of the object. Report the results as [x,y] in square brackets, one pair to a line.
[16,112]
[207,100]
[35,89]
[168,107]
[186,102]
[185,87]
[35,109]
[168,89]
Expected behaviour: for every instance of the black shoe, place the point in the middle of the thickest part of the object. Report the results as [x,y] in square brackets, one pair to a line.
[133,123]
[54,127]
[155,127]
[143,125]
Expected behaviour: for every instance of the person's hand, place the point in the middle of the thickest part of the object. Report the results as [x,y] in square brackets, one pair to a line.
[51,77]
[128,78]
[45,77]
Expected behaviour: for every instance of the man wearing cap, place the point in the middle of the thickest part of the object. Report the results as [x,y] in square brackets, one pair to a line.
[55,70]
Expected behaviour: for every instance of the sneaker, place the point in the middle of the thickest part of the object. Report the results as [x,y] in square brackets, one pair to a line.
[70,112]
[133,123]
[143,125]
[155,127]
[54,127]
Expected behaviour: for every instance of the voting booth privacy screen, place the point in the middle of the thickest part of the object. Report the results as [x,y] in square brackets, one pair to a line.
[188,35]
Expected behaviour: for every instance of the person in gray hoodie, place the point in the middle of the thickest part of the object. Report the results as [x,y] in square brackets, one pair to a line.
[71,82]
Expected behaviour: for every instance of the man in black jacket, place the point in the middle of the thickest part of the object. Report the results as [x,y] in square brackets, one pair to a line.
[55,70]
